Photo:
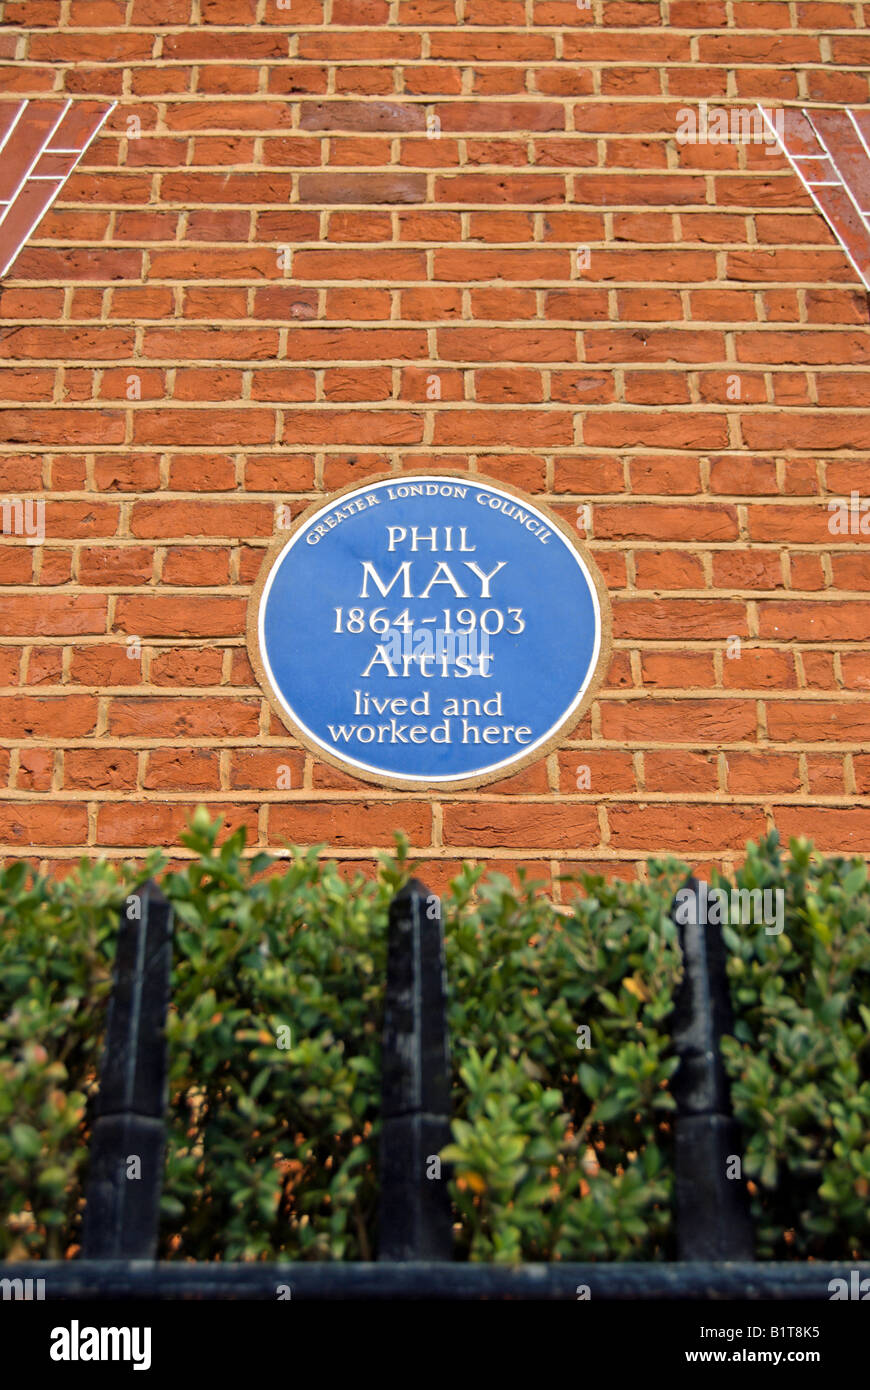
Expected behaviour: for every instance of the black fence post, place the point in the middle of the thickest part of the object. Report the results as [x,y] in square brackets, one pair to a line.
[713,1221]
[127,1147]
[415,1218]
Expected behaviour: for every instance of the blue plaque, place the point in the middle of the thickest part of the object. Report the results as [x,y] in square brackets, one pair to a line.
[429,630]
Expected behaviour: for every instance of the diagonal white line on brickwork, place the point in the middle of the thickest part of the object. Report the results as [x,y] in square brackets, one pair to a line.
[39,153]
[832,157]
[8,136]
[7,206]
[859,132]
[4,141]
[796,161]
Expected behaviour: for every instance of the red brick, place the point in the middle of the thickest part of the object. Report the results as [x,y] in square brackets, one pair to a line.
[680,771]
[810,621]
[189,615]
[815,720]
[35,767]
[99,769]
[684,830]
[170,519]
[196,565]
[188,666]
[691,618]
[44,666]
[102,665]
[53,615]
[181,769]
[606,771]
[750,770]
[625,428]
[650,521]
[529,825]
[676,669]
[57,823]
[342,824]
[202,472]
[670,570]
[758,669]
[199,716]
[9,664]
[819,669]
[832,829]
[30,716]
[825,774]
[268,769]
[747,569]
[686,720]
[107,566]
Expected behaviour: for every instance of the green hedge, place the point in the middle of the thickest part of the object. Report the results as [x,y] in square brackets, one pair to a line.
[57,944]
[539,1121]
[273,1150]
[559,1023]
[799,1062]
[273,1134]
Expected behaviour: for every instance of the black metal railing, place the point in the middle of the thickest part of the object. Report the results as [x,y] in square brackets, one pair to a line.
[713,1226]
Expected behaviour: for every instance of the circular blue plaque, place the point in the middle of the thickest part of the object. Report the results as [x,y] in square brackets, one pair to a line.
[429,629]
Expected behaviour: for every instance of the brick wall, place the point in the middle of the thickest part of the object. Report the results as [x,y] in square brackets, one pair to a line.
[325,206]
